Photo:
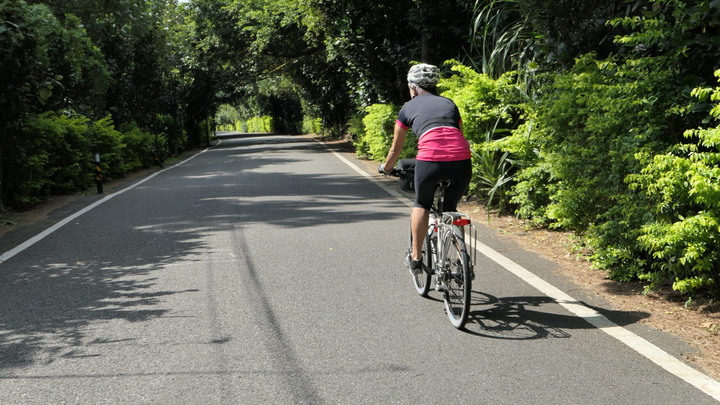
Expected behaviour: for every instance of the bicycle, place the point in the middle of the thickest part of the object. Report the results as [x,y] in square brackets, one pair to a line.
[445,251]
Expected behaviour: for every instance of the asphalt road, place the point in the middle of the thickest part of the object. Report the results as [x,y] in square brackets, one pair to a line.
[266,270]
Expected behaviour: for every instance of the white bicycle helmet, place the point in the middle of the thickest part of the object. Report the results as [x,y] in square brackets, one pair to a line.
[423,75]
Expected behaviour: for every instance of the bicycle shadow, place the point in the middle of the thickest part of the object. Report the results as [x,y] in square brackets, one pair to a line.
[532,317]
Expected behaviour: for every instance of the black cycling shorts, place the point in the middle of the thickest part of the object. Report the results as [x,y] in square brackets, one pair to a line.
[427,174]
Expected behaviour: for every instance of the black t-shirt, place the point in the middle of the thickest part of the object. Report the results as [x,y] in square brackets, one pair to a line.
[428,111]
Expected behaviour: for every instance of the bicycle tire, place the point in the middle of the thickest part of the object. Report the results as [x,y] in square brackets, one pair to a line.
[458,281]
[422,280]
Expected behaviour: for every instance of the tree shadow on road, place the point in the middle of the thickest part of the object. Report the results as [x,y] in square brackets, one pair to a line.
[104,267]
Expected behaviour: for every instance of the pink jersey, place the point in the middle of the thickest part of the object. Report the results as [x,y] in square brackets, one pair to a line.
[441,144]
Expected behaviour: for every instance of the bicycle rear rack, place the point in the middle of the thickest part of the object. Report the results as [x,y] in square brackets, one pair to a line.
[468,229]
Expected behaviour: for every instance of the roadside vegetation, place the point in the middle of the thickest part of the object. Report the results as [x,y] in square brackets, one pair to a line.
[594,116]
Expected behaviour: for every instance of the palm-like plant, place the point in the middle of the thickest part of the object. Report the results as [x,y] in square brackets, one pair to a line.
[493,172]
[501,36]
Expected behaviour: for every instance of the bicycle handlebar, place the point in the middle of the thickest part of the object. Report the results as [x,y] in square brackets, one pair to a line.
[395,172]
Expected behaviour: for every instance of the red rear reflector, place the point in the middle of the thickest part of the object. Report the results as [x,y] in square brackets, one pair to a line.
[461,222]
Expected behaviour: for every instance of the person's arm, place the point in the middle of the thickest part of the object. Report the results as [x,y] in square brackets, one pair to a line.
[395,149]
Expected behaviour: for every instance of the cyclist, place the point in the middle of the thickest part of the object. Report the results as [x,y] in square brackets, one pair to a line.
[443,151]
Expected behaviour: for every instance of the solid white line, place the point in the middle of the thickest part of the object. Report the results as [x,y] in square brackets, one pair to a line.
[35,239]
[658,356]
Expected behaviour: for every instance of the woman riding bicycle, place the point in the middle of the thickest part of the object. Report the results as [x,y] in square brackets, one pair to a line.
[443,151]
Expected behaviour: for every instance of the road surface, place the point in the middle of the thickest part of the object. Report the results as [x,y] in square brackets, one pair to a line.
[268,270]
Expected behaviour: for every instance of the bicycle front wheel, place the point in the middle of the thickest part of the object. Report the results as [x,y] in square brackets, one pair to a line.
[422,279]
[458,279]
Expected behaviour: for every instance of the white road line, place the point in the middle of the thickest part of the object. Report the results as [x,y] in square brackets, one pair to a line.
[658,356]
[35,239]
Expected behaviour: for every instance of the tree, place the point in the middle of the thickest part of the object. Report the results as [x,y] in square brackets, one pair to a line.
[47,64]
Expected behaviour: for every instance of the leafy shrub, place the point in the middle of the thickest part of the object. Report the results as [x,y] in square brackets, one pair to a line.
[108,141]
[355,126]
[52,154]
[684,188]
[593,126]
[312,125]
[226,116]
[142,149]
[48,154]
[260,124]
[175,135]
[240,126]
[587,131]
[379,124]
[486,105]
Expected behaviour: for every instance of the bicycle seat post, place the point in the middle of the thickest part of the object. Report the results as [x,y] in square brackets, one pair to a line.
[442,185]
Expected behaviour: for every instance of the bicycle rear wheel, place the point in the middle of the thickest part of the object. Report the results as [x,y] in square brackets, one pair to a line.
[422,279]
[458,279]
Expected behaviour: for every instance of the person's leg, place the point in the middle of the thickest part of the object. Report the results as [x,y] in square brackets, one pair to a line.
[419,225]
[425,184]
[461,173]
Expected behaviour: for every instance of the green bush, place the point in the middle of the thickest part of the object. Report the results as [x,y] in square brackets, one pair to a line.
[312,125]
[175,135]
[48,154]
[593,126]
[684,188]
[260,124]
[226,116]
[586,133]
[379,124]
[486,105]
[355,126]
[53,154]
[239,126]
[142,149]
[108,142]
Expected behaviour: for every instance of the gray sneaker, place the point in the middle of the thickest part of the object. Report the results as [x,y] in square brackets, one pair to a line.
[415,266]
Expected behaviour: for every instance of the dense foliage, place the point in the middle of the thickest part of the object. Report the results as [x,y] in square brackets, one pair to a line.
[71,65]
[683,188]
[599,149]
[376,139]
